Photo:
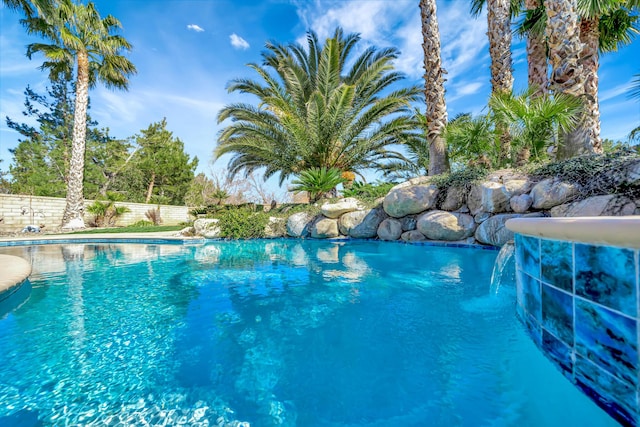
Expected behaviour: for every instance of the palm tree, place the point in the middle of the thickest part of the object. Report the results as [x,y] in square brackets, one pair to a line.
[532,27]
[31,8]
[82,40]
[567,76]
[314,112]
[534,120]
[499,14]
[434,88]
[603,27]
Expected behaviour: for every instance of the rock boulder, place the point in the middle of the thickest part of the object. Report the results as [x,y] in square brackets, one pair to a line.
[448,226]
[334,210]
[298,224]
[361,224]
[324,228]
[410,200]
[390,229]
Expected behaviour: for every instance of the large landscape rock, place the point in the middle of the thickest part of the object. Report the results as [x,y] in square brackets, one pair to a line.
[361,224]
[608,205]
[521,203]
[455,198]
[474,199]
[410,200]
[390,229]
[493,231]
[552,192]
[408,222]
[334,210]
[207,227]
[494,197]
[276,227]
[298,224]
[324,228]
[412,236]
[448,226]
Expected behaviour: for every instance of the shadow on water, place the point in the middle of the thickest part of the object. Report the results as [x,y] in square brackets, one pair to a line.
[22,418]
[15,300]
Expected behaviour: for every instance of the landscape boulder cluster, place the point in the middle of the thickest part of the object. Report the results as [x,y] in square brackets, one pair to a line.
[418,210]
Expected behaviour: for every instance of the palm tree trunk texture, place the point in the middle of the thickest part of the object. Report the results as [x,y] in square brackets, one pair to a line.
[565,50]
[434,88]
[536,56]
[74,208]
[590,35]
[499,32]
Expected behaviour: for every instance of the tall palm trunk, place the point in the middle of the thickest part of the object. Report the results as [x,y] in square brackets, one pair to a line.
[74,208]
[565,50]
[499,32]
[434,88]
[536,56]
[590,36]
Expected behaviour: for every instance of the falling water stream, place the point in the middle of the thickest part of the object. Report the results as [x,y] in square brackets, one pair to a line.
[503,269]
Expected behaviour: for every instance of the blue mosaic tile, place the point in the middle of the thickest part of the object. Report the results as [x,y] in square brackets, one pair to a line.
[607,339]
[528,254]
[557,263]
[557,313]
[558,352]
[607,275]
[611,394]
[532,328]
[528,295]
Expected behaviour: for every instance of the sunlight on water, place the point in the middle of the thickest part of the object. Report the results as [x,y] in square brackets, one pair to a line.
[274,333]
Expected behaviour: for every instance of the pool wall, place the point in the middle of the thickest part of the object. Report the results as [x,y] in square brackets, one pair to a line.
[580,300]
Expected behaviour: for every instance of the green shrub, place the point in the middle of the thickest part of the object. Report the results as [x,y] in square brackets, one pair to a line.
[241,223]
[141,223]
[597,174]
[317,182]
[368,191]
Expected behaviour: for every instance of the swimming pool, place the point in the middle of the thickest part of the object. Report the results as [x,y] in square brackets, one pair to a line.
[266,333]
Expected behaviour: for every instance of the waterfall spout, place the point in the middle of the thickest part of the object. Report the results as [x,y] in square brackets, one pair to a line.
[503,269]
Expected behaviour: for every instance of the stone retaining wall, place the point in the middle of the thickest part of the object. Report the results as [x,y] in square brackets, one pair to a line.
[18,211]
[418,210]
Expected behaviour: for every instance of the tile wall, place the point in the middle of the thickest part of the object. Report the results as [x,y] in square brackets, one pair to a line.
[580,304]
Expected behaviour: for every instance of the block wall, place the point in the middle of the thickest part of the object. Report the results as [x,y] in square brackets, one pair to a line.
[17,211]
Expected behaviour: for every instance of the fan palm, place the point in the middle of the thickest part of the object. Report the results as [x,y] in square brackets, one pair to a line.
[534,120]
[499,13]
[80,39]
[314,112]
[603,26]
[436,115]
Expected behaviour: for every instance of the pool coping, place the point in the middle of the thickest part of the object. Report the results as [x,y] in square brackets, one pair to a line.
[15,271]
[613,231]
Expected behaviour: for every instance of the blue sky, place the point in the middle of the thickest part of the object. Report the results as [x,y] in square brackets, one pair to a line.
[186,51]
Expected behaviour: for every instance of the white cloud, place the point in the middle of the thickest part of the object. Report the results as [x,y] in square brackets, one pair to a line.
[615,91]
[238,42]
[397,23]
[196,28]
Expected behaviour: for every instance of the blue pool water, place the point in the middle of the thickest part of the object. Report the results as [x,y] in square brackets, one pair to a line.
[274,333]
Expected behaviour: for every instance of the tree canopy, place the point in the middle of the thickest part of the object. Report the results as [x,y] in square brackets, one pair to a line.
[313,110]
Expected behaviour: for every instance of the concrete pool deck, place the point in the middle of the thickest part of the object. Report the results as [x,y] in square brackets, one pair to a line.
[15,270]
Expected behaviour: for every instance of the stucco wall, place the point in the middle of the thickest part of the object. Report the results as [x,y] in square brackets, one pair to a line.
[18,211]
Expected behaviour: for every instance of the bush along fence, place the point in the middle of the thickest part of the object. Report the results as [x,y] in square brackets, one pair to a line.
[19,211]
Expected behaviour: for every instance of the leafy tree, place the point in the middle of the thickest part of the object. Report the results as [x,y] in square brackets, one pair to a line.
[162,165]
[80,41]
[317,182]
[203,191]
[41,160]
[314,111]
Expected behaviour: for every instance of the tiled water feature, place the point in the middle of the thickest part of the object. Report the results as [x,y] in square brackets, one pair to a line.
[580,303]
